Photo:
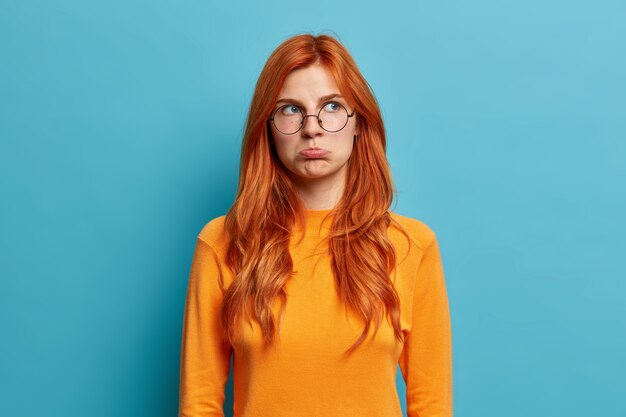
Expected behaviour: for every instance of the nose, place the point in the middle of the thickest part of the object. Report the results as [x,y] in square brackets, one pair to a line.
[311,128]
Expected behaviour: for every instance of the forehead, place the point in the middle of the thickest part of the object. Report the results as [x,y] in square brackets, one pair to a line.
[310,82]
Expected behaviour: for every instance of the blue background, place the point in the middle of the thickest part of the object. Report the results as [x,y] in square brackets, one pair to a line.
[120,128]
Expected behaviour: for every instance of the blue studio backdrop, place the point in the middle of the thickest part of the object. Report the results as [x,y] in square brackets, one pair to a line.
[120,130]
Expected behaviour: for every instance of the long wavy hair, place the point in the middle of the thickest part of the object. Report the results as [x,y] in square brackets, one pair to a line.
[267,205]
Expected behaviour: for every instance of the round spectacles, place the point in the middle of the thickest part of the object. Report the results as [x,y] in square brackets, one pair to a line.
[289,119]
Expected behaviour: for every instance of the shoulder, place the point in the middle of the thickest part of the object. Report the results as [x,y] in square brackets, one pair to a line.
[214,233]
[419,233]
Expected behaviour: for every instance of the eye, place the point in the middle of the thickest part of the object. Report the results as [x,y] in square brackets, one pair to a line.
[290,110]
[332,107]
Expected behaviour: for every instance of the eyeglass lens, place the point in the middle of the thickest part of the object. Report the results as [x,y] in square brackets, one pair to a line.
[289,119]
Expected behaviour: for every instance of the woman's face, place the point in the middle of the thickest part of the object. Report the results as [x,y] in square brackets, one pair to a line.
[310,89]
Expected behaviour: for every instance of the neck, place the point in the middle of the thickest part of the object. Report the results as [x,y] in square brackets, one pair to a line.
[320,193]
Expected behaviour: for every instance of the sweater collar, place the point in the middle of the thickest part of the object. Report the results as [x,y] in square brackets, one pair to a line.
[318,222]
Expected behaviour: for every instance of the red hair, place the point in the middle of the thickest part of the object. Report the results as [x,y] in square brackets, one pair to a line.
[267,206]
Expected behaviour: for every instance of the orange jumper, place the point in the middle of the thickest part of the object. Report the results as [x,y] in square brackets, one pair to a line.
[305,374]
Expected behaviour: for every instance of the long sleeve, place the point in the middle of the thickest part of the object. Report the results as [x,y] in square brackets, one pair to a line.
[426,359]
[205,357]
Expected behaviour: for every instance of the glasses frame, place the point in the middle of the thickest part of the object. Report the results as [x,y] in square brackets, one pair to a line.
[304,116]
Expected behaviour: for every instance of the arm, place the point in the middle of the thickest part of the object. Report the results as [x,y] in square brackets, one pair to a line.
[426,360]
[205,358]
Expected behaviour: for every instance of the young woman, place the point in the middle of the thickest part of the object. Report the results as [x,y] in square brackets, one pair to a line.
[315,287]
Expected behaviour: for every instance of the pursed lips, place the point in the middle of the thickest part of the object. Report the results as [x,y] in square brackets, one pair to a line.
[313,153]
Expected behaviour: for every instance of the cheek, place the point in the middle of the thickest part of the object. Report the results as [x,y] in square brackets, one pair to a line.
[283,148]
[347,147]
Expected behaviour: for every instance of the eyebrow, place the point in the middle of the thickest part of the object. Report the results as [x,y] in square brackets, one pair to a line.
[323,98]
